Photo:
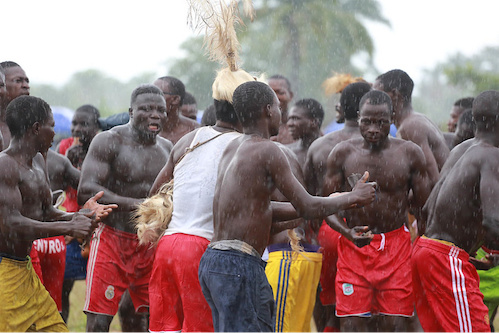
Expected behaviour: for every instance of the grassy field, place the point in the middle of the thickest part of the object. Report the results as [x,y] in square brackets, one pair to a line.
[77,319]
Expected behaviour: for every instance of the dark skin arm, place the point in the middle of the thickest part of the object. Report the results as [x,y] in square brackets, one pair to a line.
[315,207]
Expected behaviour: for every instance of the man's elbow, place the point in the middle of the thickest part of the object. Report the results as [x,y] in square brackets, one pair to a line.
[84,193]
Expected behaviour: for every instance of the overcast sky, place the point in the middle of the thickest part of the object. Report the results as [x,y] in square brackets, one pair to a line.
[53,39]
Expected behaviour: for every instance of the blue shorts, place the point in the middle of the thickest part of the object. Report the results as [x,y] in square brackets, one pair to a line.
[76,265]
[237,290]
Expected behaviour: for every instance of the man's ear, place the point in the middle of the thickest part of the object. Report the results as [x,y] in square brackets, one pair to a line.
[269,113]
[36,128]
[130,112]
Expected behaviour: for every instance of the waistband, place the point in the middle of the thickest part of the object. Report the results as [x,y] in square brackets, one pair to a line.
[236,245]
[116,232]
[287,247]
[437,245]
[12,257]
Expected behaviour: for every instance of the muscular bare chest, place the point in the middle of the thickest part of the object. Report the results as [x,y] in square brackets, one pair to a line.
[138,166]
[35,192]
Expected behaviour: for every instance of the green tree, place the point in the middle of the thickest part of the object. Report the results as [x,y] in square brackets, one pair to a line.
[309,40]
[457,77]
[305,40]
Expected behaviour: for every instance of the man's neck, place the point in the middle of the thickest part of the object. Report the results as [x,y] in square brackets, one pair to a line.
[306,141]
[222,126]
[140,137]
[400,116]
[22,151]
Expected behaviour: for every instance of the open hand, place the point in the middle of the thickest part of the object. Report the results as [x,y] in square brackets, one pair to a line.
[100,211]
[361,236]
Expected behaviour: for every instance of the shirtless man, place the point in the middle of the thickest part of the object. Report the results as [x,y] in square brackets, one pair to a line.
[17,84]
[51,252]
[175,125]
[251,168]
[25,210]
[315,170]
[124,161]
[456,226]
[411,125]
[304,124]
[282,87]
[373,281]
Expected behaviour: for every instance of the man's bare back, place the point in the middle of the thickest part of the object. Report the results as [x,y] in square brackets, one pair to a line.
[423,132]
[474,177]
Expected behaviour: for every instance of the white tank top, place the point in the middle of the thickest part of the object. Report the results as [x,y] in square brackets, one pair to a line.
[194,183]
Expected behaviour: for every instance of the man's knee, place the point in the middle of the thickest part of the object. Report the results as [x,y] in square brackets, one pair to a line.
[98,323]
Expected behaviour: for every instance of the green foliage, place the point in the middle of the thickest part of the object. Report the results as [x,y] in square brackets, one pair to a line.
[459,76]
[477,73]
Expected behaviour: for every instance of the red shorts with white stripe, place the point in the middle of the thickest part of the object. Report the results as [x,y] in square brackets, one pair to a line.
[448,298]
[117,262]
[375,279]
[328,240]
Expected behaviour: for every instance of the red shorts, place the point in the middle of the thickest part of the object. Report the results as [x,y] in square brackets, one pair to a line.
[52,255]
[328,240]
[375,279]
[177,301]
[35,262]
[116,263]
[446,288]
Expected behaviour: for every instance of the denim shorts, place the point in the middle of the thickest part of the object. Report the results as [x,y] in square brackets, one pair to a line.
[237,290]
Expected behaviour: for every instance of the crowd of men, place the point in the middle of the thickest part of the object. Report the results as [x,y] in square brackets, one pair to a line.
[272,225]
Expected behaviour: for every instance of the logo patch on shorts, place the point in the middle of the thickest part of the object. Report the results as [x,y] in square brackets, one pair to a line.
[347,289]
[109,292]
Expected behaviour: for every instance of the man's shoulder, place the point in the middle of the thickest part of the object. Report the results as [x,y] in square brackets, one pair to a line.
[164,143]
[189,122]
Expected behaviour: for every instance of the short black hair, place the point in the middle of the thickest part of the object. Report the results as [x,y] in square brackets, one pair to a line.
[189,99]
[465,103]
[249,99]
[144,89]
[377,97]
[24,111]
[91,110]
[314,108]
[209,117]
[467,118]
[8,64]
[176,86]
[224,111]
[281,77]
[400,80]
[351,96]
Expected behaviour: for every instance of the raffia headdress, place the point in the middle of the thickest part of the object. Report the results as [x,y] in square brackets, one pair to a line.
[219,20]
[338,82]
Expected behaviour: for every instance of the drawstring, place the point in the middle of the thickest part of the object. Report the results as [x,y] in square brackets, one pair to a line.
[382,245]
[29,265]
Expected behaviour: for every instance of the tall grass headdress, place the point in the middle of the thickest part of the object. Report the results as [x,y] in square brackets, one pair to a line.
[219,20]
